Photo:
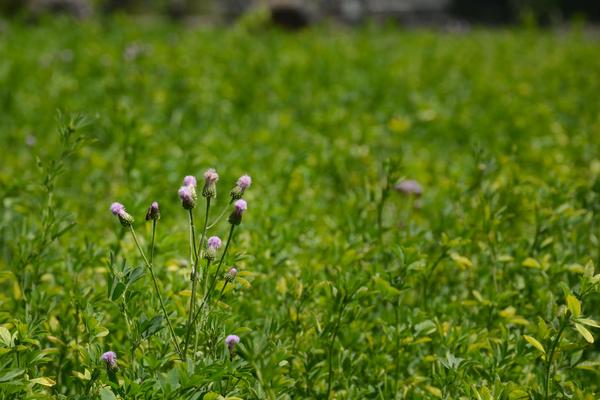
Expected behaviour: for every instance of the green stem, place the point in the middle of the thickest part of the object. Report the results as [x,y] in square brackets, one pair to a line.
[162,305]
[214,281]
[194,279]
[220,215]
[204,236]
[563,324]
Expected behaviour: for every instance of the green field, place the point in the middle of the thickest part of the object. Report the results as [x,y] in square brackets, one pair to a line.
[485,287]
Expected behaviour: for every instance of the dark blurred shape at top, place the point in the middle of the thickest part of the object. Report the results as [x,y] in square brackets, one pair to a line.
[295,14]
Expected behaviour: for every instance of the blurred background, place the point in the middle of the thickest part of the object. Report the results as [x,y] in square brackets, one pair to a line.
[298,13]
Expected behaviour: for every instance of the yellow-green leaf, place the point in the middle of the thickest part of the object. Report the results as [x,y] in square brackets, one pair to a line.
[43,381]
[589,322]
[434,391]
[462,261]
[531,263]
[585,333]
[574,305]
[535,343]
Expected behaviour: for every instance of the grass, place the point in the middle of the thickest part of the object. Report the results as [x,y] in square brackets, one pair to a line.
[485,287]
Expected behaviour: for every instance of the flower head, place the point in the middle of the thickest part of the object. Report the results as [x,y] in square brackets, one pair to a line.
[239,207]
[212,245]
[231,274]
[110,358]
[242,184]
[118,209]
[214,242]
[409,187]
[210,180]
[187,194]
[153,212]
[189,181]
[231,341]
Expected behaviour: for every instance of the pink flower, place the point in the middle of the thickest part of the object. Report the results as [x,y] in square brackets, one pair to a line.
[231,341]
[117,208]
[214,242]
[241,205]
[211,175]
[409,187]
[231,274]
[244,181]
[235,218]
[187,194]
[110,358]
[153,212]
[189,181]
[210,179]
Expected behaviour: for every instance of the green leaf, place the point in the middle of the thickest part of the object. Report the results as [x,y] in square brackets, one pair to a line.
[10,375]
[535,343]
[43,381]
[585,333]
[574,305]
[6,337]
[212,396]
[117,291]
[589,322]
[107,394]
[531,263]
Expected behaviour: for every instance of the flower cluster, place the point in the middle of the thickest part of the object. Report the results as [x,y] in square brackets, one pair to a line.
[207,250]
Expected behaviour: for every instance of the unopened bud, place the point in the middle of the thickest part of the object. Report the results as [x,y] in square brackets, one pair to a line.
[153,212]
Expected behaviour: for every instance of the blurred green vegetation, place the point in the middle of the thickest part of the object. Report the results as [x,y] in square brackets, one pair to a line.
[500,127]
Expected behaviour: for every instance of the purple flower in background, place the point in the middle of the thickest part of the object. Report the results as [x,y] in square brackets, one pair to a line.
[187,194]
[110,358]
[189,181]
[231,341]
[409,187]
[118,209]
[153,212]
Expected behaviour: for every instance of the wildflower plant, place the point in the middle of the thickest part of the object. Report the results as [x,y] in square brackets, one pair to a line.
[204,251]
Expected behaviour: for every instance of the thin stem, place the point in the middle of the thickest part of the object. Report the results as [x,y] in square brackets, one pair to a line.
[563,324]
[193,277]
[162,305]
[204,236]
[222,290]
[153,241]
[214,281]
[220,215]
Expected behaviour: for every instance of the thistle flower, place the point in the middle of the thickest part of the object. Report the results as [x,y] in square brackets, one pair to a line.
[242,184]
[153,212]
[231,341]
[210,183]
[110,358]
[189,181]
[212,245]
[231,274]
[236,216]
[187,194]
[118,209]
[409,187]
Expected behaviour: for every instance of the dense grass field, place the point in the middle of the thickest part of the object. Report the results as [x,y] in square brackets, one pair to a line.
[484,287]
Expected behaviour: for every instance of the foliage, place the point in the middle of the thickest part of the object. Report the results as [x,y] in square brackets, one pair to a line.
[484,287]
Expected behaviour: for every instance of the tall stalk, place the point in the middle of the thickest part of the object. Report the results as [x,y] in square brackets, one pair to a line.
[162,305]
